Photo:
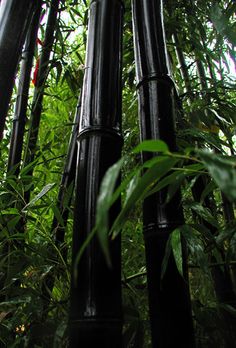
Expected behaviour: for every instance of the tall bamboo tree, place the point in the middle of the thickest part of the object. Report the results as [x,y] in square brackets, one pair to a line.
[15,18]
[95,309]
[169,302]
[39,88]
[17,135]
[183,67]
[62,208]
[67,183]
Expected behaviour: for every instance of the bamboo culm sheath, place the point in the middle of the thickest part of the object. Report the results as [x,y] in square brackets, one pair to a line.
[95,318]
[169,300]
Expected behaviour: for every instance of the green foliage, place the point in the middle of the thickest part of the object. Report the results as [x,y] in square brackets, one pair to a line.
[32,314]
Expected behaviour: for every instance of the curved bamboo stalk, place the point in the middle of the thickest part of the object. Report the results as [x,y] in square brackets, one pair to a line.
[59,224]
[169,301]
[39,89]
[183,67]
[68,178]
[95,302]
[15,18]
[17,136]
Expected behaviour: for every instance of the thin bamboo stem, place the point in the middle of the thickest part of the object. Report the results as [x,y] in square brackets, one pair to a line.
[68,178]
[39,89]
[183,67]
[169,300]
[59,224]
[20,117]
[15,18]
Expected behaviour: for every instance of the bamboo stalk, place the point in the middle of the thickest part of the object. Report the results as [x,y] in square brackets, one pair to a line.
[223,282]
[59,225]
[68,178]
[39,89]
[15,18]
[183,67]
[169,301]
[17,136]
[95,300]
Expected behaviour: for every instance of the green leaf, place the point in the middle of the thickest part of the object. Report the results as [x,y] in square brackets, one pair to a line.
[10,211]
[104,201]
[143,186]
[58,215]
[204,213]
[152,146]
[13,222]
[226,234]
[210,187]
[174,186]
[42,193]
[195,246]
[177,249]
[222,169]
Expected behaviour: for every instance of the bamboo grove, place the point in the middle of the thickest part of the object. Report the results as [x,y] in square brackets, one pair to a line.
[118,182]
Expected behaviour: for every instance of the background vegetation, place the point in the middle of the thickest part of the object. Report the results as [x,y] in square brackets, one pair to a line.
[201,38]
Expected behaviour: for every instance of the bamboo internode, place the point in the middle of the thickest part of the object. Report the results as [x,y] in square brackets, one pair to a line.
[12,38]
[169,301]
[95,310]
[17,135]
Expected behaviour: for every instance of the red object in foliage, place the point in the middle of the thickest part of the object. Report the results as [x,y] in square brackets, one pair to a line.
[39,42]
[36,70]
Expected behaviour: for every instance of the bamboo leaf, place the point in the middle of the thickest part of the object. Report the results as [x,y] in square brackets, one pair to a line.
[58,215]
[143,187]
[42,193]
[222,169]
[174,186]
[195,246]
[104,202]
[204,213]
[10,211]
[152,146]
[177,249]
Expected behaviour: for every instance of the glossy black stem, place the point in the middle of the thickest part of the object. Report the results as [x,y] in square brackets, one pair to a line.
[63,205]
[95,304]
[223,284]
[67,180]
[20,115]
[15,18]
[169,300]
[39,89]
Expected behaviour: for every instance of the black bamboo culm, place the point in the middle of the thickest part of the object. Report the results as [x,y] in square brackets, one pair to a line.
[221,276]
[66,185]
[95,318]
[15,18]
[169,300]
[39,88]
[63,208]
[227,207]
[17,135]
